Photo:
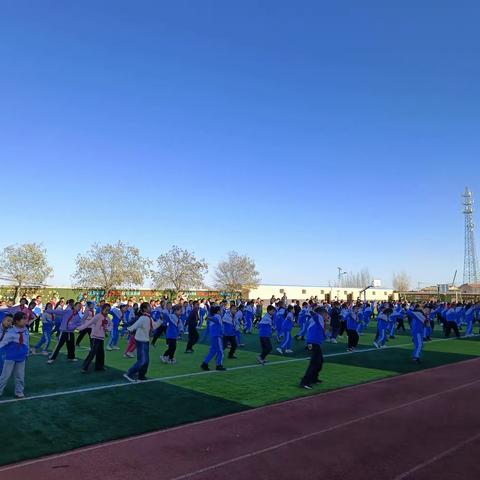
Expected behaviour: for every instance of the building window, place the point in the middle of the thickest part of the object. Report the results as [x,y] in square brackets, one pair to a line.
[373,293]
[304,291]
[282,290]
[385,293]
[345,292]
[322,291]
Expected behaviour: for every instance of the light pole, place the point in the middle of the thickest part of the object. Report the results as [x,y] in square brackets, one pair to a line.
[340,273]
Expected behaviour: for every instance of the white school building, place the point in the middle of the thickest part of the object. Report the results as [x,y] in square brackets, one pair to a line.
[330,294]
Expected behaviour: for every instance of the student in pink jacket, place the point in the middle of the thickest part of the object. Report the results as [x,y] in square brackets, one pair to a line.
[99,324]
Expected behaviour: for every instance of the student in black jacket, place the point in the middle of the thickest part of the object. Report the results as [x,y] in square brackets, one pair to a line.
[192,322]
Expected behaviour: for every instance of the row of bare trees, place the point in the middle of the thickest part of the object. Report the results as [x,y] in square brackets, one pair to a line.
[112,266]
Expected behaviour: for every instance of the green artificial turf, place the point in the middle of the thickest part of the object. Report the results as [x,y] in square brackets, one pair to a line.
[61,422]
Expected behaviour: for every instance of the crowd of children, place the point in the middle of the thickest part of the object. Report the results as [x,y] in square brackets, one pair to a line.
[143,324]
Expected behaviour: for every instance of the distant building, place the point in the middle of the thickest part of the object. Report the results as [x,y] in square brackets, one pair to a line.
[329,294]
[470,288]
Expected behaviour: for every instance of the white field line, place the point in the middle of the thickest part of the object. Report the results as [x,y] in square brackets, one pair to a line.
[194,374]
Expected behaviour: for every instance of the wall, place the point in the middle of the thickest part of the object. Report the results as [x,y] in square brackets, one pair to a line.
[295,292]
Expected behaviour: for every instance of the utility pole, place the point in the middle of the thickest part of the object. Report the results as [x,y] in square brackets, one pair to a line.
[340,274]
[470,265]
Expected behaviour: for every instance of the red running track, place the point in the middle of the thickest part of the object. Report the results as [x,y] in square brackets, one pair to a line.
[418,426]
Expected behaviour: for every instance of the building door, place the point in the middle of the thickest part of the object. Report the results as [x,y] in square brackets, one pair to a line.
[327,297]
[350,297]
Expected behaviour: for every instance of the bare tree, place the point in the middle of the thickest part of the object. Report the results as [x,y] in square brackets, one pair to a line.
[401,281]
[360,279]
[110,266]
[25,265]
[179,270]
[236,273]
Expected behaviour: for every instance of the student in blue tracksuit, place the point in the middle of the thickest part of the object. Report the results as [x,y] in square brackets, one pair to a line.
[469,319]
[315,338]
[248,315]
[353,322]
[395,319]
[174,329]
[118,315]
[6,325]
[418,322]
[163,314]
[15,344]
[202,312]
[237,321]
[48,322]
[230,331]
[287,326]
[216,340]
[265,330]
[383,320]
[367,313]
[303,318]
[279,317]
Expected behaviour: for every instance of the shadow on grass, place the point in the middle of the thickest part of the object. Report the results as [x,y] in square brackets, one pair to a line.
[51,425]
[399,360]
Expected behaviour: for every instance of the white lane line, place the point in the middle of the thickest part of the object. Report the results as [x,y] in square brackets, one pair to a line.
[195,374]
[329,393]
[319,432]
[437,457]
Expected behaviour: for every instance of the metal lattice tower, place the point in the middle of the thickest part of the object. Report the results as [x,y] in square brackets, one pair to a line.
[470,265]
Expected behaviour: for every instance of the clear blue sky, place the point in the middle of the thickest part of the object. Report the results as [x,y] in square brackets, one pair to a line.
[308,135]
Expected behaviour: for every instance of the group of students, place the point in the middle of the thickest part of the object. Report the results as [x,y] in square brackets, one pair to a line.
[225,322]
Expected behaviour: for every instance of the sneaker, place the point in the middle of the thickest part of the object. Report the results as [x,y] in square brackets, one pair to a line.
[44,352]
[83,370]
[349,349]
[416,360]
[130,379]
[189,351]
[333,340]
[288,351]
[260,360]
[376,345]
[115,348]
[221,368]
[280,351]
[164,359]
[204,366]
[50,361]
[305,386]
[73,359]
[33,351]
[109,349]
[19,395]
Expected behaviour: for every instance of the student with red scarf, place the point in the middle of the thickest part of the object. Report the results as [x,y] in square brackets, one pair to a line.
[99,324]
[16,346]
[22,307]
